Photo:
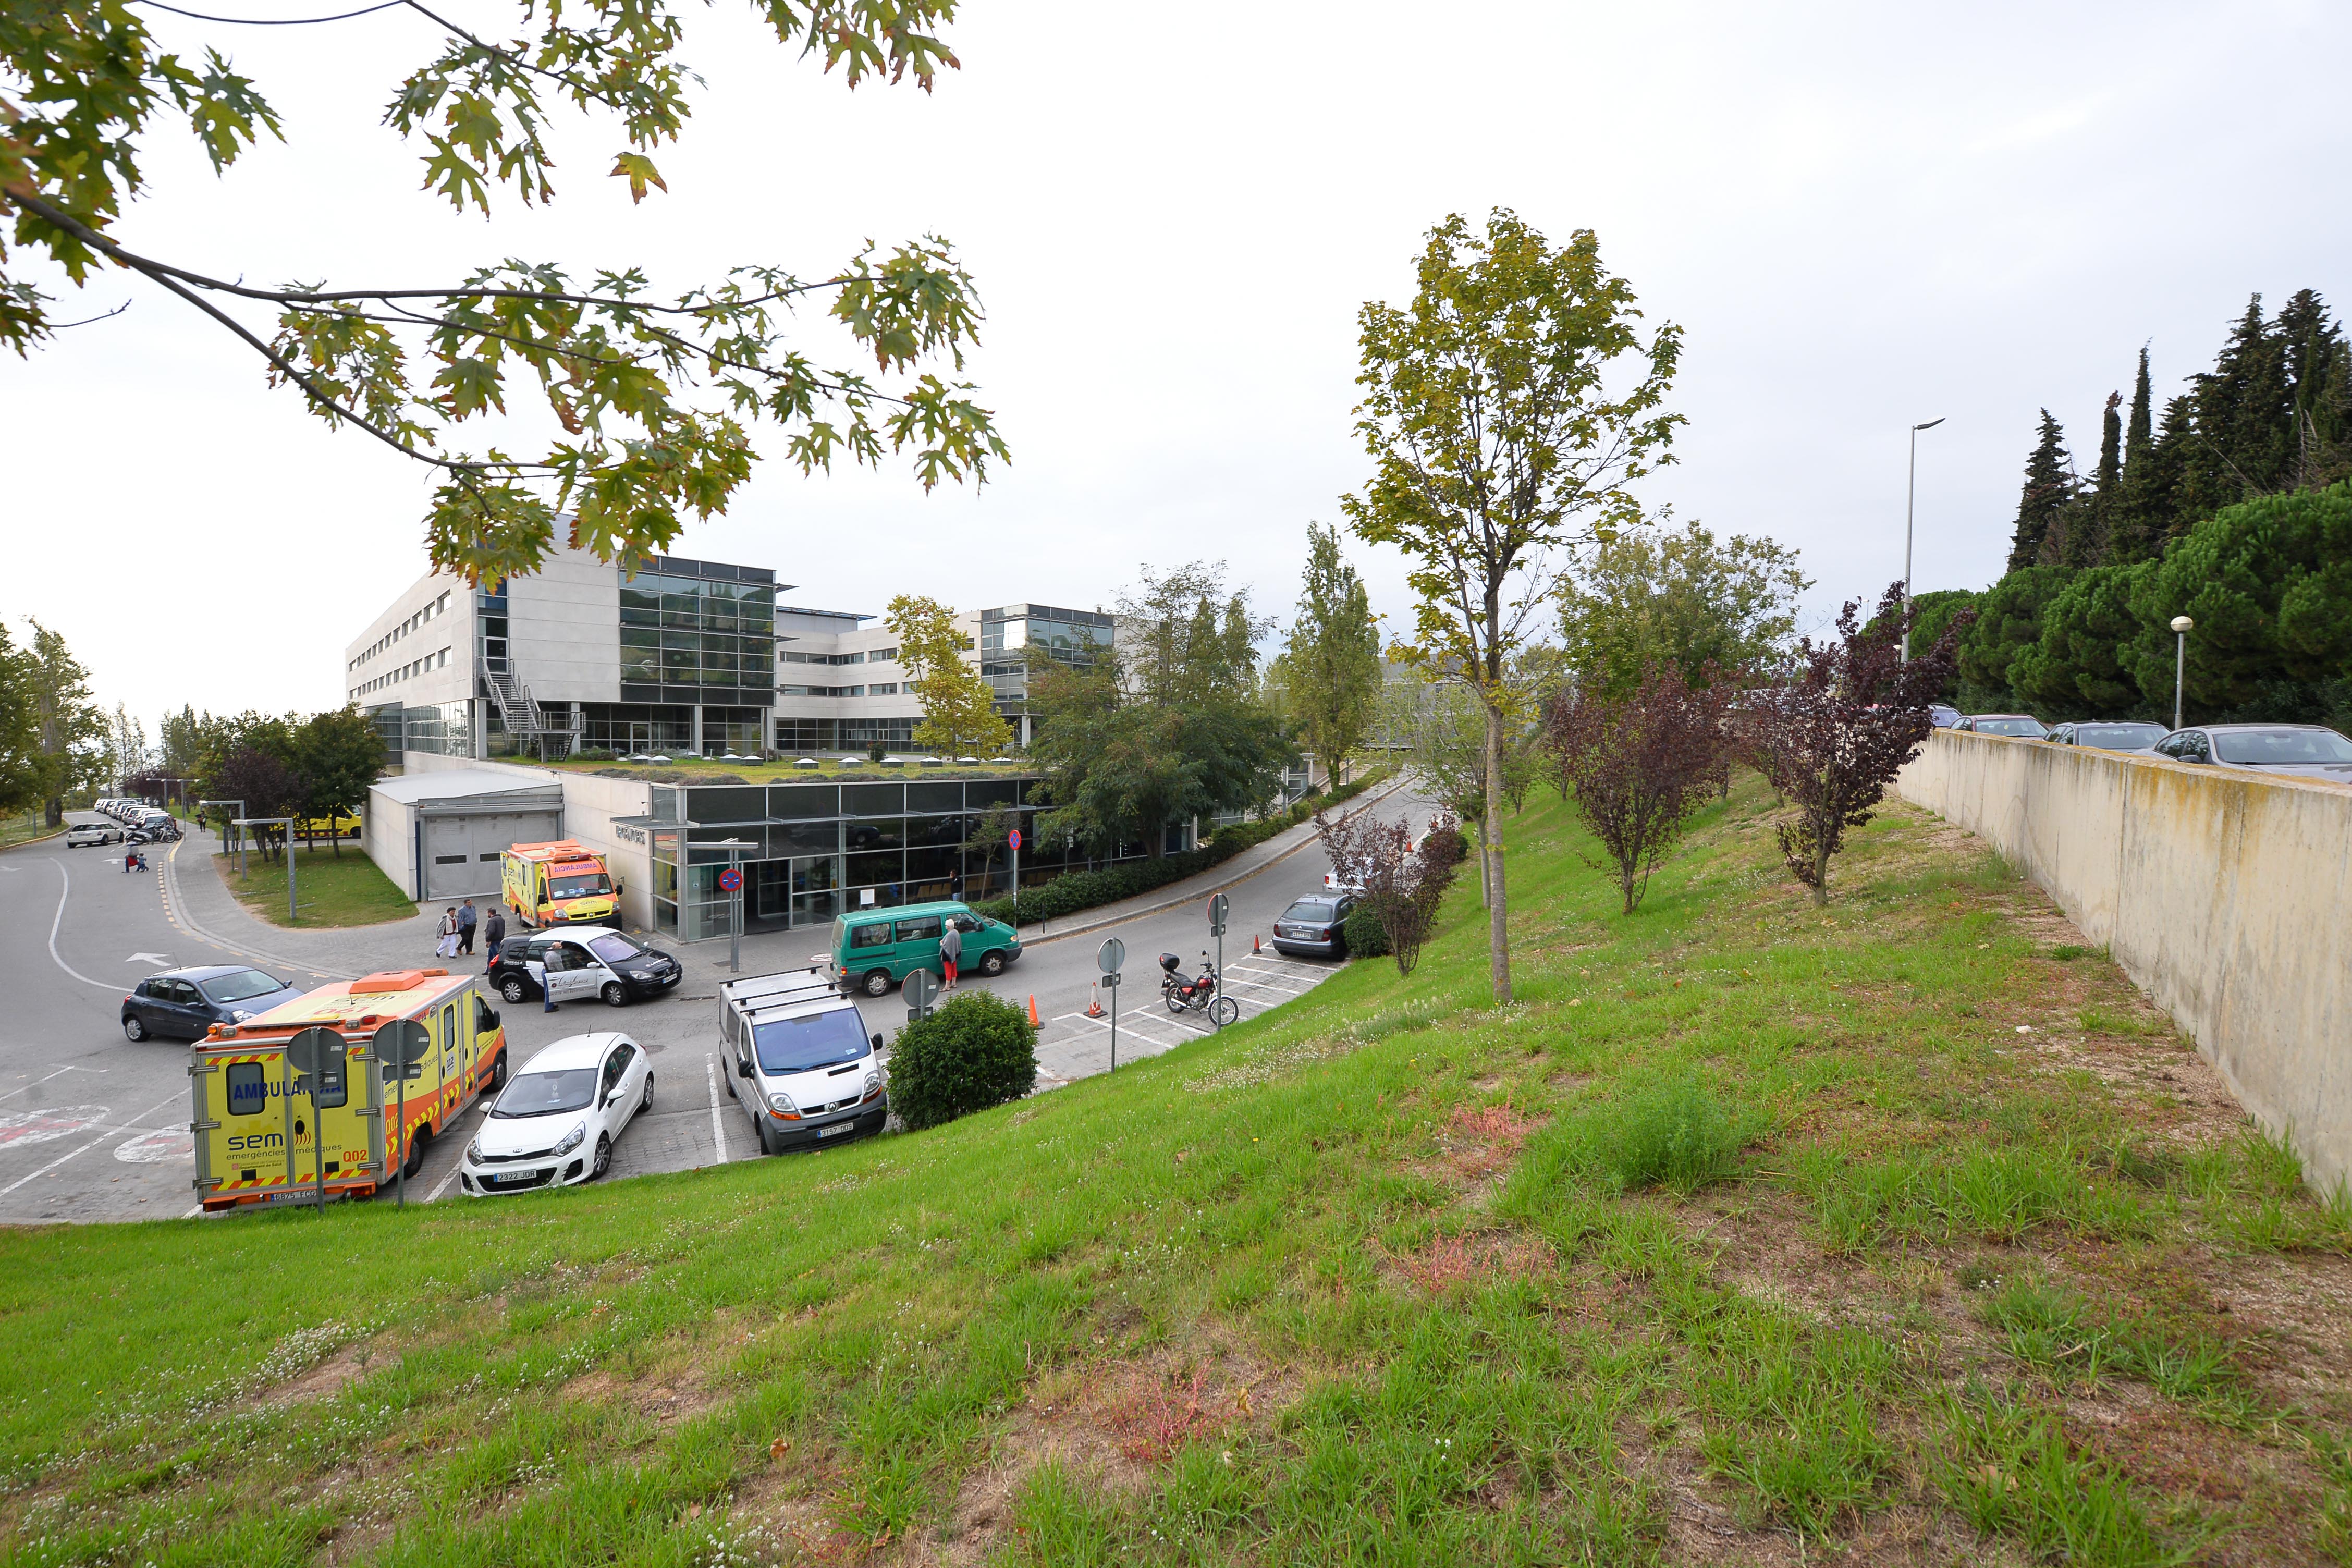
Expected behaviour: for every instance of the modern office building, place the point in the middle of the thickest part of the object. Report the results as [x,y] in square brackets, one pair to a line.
[686,658]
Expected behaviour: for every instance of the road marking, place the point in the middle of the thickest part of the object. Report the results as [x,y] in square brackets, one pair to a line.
[718,1126]
[161,960]
[176,1098]
[39,1081]
[65,887]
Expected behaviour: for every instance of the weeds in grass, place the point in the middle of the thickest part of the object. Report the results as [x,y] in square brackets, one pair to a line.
[1993,1195]
[2010,1472]
[2056,1330]
[1789,1410]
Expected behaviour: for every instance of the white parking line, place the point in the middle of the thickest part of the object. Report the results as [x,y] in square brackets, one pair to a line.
[132,1126]
[718,1122]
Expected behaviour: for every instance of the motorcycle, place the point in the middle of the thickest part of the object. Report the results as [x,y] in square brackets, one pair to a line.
[1197,995]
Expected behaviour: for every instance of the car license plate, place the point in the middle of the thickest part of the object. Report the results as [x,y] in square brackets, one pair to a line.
[837,1126]
[509,1178]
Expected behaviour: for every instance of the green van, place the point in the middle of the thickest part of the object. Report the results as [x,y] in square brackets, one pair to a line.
[873,950]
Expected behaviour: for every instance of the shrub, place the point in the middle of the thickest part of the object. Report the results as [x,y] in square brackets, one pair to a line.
[976,1051]
[1403,885]
[1673,1134]
[1637,766]
[1365,938]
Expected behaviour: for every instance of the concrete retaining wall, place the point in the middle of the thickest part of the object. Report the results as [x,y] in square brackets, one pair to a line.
[2226,896]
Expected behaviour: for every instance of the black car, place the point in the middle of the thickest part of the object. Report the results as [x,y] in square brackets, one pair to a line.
[1311,926]
[183,1004]
[587,961]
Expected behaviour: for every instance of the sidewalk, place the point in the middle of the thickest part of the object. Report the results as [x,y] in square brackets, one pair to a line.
[1240,868]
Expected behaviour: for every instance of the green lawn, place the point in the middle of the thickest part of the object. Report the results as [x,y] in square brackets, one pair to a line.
[25,827]
[343,889]
[1752,1233]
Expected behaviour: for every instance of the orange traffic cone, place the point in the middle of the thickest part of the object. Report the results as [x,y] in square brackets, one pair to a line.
[1093,1002]
[1033,1010]
[1256,946]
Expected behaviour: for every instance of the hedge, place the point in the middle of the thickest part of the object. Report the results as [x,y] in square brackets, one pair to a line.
[1076,891]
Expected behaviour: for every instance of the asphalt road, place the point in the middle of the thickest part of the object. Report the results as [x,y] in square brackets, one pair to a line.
[93,1127]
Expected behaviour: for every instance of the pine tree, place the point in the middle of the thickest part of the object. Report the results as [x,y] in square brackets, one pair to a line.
[2049,486]
[2315,359]
[2136,521]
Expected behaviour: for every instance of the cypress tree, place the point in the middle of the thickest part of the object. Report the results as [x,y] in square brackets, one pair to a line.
[2140,433]
[2086,542]
[2135,521]
[2049,486]
[2313,359]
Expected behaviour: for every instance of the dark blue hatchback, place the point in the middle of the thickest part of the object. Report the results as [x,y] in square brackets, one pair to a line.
[182,1003]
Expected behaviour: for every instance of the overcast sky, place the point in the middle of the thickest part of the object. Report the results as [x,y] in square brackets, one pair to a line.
[1862,217]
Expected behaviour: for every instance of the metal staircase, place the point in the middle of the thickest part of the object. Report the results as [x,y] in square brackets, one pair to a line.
[520,712]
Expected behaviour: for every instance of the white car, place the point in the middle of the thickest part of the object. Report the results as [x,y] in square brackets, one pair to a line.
[555,1123]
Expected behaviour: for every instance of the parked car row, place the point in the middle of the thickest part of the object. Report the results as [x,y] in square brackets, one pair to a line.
[2289,751]
[142,823]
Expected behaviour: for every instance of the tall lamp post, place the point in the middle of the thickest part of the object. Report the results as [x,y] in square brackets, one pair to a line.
[2182,625]
[1910,504]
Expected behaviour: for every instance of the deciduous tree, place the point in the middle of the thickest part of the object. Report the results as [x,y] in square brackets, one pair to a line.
[1832,738]
[73,728]
[1677,596]
[1507,410]
[1638,765]
[1403,883]
[959,717]
[1329,674]
[338,756]
[658,394]
[24,773]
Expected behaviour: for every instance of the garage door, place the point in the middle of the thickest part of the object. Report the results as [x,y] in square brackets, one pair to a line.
[461,853]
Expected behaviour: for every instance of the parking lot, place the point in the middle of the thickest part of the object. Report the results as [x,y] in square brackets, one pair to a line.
[94,1127]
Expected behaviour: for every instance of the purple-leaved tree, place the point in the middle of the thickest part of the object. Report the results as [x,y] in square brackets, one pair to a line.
[1832,736]
[1638,765]
[1402,882]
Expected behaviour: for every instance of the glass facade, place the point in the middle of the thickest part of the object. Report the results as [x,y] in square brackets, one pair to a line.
[820,849]
[1073,637]
[700,632]
[446,728]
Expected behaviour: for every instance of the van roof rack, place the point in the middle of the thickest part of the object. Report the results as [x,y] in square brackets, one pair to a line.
[786,987]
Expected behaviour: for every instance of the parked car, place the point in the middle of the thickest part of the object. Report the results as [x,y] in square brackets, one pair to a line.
[1942,715]
[1311,926]
[873,950]
[2290,751]
[582,963]
[798,1061]
[556,1121]
[84,834]
[2016,726]
[2108,734]
[183,1004]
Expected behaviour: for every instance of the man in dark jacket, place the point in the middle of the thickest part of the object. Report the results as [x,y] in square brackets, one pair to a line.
[466,920]
[494,934]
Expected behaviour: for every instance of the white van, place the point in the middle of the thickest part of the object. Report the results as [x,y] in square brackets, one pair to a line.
[798,1061]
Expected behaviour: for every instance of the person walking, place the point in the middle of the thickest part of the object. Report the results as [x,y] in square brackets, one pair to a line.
[466,920]
[950,952]
[444,944]
[494,934]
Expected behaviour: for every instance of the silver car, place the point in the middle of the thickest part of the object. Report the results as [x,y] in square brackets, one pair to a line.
[2290,751]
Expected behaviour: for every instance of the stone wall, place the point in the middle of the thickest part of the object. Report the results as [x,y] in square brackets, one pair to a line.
[2225,895]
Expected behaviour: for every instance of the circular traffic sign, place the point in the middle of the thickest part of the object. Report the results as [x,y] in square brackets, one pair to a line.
[1014,838]
[312,1047]
[399,1045]
[731,879]
[1110,955]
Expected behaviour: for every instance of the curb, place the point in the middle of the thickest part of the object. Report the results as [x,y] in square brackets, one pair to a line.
[176,910]
[1364,803]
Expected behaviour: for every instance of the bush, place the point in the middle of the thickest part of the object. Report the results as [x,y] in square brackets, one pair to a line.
[1076,891]
[1673,1134]
[1365,938]
[975,1051]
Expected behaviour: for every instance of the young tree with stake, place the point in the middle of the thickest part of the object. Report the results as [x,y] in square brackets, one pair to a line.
[1497,440]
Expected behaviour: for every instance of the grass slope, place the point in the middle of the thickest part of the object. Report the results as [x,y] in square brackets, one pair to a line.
[1903,1232]
[336,889]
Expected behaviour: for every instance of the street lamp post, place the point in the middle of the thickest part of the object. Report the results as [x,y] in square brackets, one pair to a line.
[2181,626]
[1910,504]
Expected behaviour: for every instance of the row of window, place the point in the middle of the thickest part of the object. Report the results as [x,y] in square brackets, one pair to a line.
[435,660]
[439,606]
[875,656]
[877,689]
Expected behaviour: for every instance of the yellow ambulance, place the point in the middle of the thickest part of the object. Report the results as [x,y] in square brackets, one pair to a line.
[559,883]
[258,1126]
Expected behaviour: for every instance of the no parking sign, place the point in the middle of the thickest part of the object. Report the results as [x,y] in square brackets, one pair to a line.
[730,880]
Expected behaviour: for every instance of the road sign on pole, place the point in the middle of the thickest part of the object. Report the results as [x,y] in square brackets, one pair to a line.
[920,988]
[1110,979]
[318,1055]
[1218,909]
[731,879]
[1110,955]
[400,1046]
